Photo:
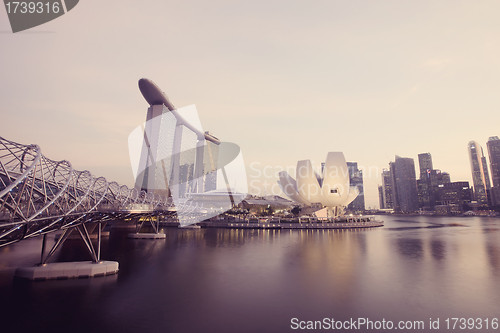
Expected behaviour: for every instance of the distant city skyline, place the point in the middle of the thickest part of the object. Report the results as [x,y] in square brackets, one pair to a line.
[369,79]
[433,192]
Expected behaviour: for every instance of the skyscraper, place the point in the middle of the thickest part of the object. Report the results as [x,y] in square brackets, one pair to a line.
[429,183]
[210,160]
[404,185]
[493,145]
[176,157]
[436,179]
[394,188]
[381,197]
[424,163]
[356,179]
[480,176]
[387,190]
[424,182]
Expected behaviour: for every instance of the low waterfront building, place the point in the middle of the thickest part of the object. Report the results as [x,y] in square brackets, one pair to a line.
[273,204]
[456,193]
[450,209]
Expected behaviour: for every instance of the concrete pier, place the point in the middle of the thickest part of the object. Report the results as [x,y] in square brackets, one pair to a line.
[67,270]
[147,236]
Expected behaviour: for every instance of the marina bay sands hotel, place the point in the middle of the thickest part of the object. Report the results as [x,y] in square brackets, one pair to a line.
[177,157]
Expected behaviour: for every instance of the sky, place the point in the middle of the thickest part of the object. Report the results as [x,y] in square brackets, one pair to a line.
[285,80]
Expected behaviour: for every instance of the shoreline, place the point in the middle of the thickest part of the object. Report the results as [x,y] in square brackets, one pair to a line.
[310,225]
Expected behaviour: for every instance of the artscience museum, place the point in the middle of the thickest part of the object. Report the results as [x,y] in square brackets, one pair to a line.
[329,191]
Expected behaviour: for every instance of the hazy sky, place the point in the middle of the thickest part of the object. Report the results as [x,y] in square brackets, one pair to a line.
[285,80]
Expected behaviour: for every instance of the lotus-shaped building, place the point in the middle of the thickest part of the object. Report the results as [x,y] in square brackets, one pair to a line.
[330,190]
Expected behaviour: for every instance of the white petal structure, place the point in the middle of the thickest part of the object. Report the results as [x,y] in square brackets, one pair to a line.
[289,186]
[331,189]
[307,183]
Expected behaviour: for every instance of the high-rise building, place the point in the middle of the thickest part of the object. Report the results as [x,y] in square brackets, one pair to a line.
[424,183]
[387,190]
[445,178]
[210,160]
[176,158]
[404,185]
[480,176]
[423,195]
[424,163]
[356,179]
[381,197]
[435,181]
[429,182]
[493,145]
[394,188]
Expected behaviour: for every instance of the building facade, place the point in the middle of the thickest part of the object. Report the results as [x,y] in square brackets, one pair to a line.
[356,179]
[429,182]
[405,185]
[381,197]
[493,146]
[423,183]
[480,176]
[456,193]
[424,163]
[454,198]
[387,190]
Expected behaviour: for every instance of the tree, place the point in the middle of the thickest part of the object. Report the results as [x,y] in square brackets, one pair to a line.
[296,210]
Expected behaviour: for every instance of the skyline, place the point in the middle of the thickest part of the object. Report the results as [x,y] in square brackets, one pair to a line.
[285,81]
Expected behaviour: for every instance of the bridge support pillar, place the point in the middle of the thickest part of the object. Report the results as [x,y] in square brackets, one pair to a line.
[155,223]
[68,270]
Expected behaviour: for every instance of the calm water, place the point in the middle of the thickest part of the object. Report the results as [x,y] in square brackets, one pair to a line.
[221,280]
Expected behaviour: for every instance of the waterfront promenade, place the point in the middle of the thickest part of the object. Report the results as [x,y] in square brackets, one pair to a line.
[285,225]
[231,222]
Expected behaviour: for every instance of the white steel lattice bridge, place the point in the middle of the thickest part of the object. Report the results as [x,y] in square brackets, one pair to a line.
[39,195]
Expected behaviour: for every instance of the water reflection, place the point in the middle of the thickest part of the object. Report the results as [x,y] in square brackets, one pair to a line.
[230,280]
[491,234]
[410,248]
[438,249]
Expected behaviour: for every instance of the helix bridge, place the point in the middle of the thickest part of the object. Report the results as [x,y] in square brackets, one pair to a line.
[39,195]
